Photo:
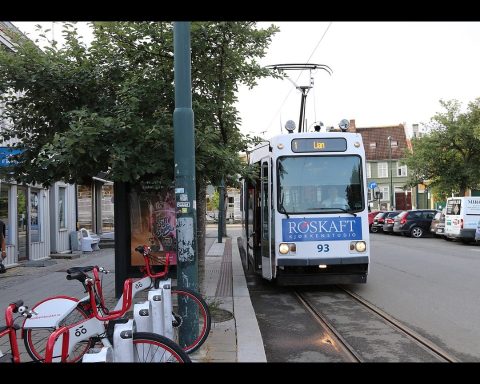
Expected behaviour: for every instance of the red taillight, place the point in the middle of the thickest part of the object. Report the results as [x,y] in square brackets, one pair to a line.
[403,220]
[461,223]
[389,221]
[381,220]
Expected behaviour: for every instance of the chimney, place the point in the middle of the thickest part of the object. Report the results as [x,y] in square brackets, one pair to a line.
[352,127]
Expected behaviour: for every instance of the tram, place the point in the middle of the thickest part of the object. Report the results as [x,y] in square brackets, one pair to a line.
[305,214]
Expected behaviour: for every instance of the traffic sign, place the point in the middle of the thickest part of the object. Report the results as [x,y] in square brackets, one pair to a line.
[372,185]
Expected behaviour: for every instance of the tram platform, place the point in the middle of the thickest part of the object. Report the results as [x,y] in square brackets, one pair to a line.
[234,334]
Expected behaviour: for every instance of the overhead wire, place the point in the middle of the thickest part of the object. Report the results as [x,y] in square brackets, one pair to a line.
[290,91]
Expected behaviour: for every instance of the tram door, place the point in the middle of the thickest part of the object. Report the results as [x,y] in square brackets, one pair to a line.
[266,212]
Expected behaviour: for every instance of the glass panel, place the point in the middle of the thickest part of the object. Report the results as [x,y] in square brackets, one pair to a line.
[4,190]
[34,216]
[61,207]
[313,184]
[107,208]
[22,223]
[84,207]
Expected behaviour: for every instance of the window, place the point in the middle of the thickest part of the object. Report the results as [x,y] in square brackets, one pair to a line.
[4,192]
[382,169]
[307,184]
[385,192]
[35,216]
[401,170]
[369,170]
[61,208]
[394,143]
[373,145]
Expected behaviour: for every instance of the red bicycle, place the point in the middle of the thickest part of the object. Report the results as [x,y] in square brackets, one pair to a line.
[11,328]
[74,311]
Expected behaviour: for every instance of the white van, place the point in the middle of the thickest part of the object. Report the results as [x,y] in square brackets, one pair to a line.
[461,218]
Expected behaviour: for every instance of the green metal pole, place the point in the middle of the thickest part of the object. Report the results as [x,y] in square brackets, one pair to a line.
[221,210]
[185,195]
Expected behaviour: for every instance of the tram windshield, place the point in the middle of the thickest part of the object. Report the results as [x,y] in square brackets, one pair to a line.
[320,184]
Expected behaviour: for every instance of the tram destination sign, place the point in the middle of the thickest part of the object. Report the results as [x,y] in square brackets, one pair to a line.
[331,144]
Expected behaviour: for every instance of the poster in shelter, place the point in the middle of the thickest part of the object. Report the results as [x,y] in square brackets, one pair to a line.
[153,222]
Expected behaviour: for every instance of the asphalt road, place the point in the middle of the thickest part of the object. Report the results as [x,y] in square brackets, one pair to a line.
[431,285]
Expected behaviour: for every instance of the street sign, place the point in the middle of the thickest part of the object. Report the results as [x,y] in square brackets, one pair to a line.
[372,185]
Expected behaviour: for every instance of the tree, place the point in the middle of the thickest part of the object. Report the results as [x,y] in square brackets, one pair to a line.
[448,157]
[109,106]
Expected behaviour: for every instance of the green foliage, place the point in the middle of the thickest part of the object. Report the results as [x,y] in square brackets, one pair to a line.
[77,110]
[449,156]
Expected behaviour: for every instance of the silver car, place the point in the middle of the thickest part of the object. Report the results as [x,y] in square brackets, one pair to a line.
[477,232]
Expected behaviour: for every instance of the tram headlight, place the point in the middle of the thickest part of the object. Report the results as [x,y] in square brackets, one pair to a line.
[359,246]
[285,248]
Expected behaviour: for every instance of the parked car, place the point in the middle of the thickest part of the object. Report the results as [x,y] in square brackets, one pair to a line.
[437,228]
[378,222]
[477,232]
[388,225]
[371,216]
[415,223]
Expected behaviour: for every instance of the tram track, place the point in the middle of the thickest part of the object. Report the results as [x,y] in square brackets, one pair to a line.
[350,352]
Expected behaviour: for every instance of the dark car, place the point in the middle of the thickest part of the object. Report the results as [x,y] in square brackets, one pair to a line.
[388,224]
[378,221]
[414,223]
[437,228]
[371,216]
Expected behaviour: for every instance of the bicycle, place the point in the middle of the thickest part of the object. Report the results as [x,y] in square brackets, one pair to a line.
[11,328]
[118,336]
[69,310]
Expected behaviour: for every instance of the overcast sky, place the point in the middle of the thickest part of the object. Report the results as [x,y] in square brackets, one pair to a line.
[384,73]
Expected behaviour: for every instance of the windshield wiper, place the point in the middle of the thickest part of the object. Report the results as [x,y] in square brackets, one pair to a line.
[332,209]
[281,206]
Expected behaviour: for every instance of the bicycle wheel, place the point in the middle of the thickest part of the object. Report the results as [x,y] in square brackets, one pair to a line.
[35,339]
[198,314]
[152,348]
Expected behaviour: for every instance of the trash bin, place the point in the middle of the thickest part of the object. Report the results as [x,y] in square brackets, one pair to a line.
[74,241]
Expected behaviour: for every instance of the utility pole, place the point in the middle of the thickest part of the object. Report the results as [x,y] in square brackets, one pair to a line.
[185,195]
[389,138]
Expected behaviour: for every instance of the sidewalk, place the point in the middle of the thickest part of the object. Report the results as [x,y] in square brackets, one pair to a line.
[234,334]
[234,338]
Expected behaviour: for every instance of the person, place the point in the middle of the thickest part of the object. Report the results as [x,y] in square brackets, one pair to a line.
[333,200]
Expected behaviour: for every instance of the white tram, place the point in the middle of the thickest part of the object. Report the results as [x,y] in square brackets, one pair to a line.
[306,214]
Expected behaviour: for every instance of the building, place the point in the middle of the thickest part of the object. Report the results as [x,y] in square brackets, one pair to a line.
[386,176]
[38,220]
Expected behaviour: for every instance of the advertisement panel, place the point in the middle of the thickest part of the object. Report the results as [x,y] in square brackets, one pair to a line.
[152,221]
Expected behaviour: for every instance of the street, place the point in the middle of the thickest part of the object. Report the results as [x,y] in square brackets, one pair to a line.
[431,285]
[428,284]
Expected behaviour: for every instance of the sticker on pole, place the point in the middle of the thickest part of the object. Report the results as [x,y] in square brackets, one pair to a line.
[183,204]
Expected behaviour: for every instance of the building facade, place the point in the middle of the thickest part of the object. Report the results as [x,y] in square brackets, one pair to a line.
[38,220]
[385,147]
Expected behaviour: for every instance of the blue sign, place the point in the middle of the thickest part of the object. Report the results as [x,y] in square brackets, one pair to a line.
[322,228]
[372,185]
[5,153]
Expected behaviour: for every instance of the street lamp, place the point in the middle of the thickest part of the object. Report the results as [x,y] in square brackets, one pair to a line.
[389,138]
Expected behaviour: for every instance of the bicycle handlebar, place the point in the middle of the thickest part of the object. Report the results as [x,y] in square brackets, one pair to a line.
[145,250]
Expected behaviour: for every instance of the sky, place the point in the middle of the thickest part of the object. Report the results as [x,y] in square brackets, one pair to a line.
[383,73]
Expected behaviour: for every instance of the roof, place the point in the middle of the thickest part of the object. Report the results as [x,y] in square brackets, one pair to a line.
[375,140]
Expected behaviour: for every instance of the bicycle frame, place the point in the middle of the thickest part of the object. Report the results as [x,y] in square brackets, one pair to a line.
[94,326]
[11,332]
